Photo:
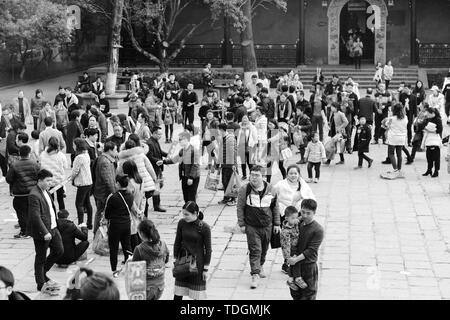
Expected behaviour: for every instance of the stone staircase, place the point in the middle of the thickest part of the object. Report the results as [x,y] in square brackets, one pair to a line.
[364,76]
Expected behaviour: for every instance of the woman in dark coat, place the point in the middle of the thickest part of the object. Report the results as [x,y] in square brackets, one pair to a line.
[194,236]
[117,212]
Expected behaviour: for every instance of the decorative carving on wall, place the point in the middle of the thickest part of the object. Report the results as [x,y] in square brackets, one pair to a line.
[334,13]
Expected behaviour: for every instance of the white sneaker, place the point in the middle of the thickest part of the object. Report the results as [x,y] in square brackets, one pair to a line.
[255,281]
[262,274]
[315,180]
[309,180]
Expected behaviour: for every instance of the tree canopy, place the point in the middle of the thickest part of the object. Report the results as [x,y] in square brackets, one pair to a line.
[25,27]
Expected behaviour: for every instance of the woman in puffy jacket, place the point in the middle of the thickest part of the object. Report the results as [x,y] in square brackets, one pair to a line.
[145,168]
[55,161]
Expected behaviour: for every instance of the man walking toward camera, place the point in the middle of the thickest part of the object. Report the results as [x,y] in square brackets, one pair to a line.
[258,213]
[44,230]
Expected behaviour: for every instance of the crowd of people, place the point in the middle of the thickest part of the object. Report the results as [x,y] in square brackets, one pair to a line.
[250,129]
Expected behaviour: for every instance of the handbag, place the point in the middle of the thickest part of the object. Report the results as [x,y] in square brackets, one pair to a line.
[184,266]
[233,187]
[100,244]
[212,181]
[275,240]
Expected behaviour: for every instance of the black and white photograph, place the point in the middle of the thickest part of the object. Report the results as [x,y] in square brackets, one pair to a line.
[225,150]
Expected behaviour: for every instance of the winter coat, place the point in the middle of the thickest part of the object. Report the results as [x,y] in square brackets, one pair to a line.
[144,166]
[156,256]
[22,176]
[363,137]
[105,176]
[56,163]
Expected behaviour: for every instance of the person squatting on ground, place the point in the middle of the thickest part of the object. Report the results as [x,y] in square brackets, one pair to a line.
[69,232]
[258,213]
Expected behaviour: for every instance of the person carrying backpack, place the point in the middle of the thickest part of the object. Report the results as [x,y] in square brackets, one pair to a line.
[258,213]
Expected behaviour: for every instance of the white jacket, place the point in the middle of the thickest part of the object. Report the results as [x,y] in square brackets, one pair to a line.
[286,194]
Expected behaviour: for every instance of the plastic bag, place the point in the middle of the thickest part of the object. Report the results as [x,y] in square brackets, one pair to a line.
[100,243]
[233,186]
[212,181]
[330,149]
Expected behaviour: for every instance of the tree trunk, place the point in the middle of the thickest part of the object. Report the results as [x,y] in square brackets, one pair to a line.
[164,66]
[22,71]
[247,45]
[113,62]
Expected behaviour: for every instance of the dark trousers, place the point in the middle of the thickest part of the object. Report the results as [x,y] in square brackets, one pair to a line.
[60,198]
[357,62]
[20,204]
[3,164]
[379,131]
[387,82]
[135,240]
[317,121]
[309,273]
[79,250]
[227,172]
[447,108]
[397,165]
[35,122]
[42,262]
[316,166]
[169,131]
[100,204]
[362,156]
[148,195]
[118,232]
[245,164]
[189,192]
[433,158]
[269,170]
[83,204]
[258,239]
[188,115]
[409,126]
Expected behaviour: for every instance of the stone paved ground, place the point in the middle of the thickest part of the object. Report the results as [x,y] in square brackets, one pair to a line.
[383,239]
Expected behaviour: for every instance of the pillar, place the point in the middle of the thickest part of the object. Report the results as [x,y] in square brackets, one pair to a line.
[301,34]
[227,46]
[414,47]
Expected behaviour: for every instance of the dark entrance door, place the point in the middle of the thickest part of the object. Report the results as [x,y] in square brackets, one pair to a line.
[353,23]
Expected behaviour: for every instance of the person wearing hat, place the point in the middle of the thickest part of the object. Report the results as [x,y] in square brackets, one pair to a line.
[436,99]
[133,102]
